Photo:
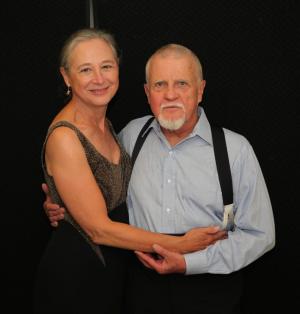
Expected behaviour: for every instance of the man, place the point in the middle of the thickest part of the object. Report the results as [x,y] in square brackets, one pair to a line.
[174,187]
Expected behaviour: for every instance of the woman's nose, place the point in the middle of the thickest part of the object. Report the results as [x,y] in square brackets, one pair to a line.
[98,77]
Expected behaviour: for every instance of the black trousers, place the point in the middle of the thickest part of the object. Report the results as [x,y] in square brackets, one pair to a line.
[152,293]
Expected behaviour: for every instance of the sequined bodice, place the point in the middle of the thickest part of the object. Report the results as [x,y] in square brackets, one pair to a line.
[112,179]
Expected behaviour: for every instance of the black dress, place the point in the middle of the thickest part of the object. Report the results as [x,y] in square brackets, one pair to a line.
[74,274]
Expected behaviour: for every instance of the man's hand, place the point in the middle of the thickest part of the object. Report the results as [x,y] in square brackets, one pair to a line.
[53,211]
[167,262]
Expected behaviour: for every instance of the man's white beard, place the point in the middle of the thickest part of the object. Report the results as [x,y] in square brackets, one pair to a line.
[171,125]
[174,124]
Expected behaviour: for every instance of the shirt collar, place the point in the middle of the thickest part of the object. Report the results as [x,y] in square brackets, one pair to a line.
[201,129]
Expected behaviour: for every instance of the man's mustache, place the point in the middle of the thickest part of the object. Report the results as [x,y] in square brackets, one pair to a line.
[172,105]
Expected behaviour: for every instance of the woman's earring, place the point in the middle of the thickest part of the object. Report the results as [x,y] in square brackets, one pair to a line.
[68,92]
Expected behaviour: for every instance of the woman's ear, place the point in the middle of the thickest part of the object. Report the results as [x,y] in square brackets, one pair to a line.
[65,76]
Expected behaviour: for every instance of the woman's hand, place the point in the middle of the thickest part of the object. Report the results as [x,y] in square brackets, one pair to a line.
[200,238]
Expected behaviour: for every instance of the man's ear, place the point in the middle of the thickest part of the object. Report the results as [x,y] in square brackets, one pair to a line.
[201,90]
[146,89]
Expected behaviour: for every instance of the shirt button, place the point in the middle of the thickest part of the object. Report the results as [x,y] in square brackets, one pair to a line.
[168,210]
[169,180]
[170,152]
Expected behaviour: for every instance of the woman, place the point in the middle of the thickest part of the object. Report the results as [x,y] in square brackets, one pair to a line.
[83,268]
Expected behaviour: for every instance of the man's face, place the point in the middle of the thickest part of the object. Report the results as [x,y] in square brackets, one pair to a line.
[174,90]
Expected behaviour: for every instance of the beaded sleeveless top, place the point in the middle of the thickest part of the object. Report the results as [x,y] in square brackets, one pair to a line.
[111,178]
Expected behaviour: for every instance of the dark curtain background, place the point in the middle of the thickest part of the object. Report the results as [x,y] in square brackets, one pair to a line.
[250,54]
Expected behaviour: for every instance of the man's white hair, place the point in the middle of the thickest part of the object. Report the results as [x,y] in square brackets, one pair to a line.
[175,50]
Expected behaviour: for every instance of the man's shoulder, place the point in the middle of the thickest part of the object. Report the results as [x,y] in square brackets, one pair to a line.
[134,126]
[235,137]
[130,132]
[138,122]
[236,142]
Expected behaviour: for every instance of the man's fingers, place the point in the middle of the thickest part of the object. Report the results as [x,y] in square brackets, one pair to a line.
[149,260]
[142,255]
[54,207]
[46,191]
[142,261]
[160,250]
[53,210]
[55,217]
[45,188]
[142,258]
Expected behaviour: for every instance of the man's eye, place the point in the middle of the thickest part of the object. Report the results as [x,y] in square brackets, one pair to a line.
[158,84]
[182,83]
[85,70]
[107,67]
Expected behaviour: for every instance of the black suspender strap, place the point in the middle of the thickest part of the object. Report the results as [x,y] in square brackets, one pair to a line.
[140,140]
[223,166]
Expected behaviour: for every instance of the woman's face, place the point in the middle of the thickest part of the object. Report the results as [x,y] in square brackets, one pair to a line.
[93,73]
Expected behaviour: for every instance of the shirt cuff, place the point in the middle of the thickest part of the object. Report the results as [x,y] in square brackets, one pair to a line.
[196,263]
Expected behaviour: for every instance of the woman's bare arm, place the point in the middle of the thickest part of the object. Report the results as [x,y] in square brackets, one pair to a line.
[67,163]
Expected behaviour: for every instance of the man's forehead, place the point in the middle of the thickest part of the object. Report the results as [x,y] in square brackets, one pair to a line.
[174,72]
[171,58]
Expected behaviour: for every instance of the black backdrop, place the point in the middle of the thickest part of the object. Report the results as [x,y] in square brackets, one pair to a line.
[249,50]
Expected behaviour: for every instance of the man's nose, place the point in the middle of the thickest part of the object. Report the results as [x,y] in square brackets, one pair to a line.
[171,93]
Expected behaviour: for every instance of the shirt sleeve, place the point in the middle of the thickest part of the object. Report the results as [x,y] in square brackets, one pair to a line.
[254,231]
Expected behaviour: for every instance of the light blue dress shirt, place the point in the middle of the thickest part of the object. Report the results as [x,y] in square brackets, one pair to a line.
[174,189]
